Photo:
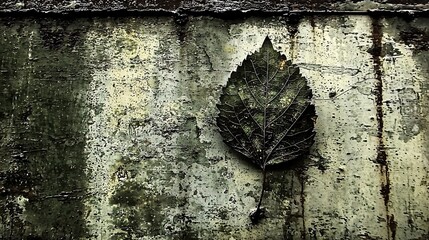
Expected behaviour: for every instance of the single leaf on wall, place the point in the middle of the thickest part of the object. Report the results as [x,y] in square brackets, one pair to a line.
[266,112]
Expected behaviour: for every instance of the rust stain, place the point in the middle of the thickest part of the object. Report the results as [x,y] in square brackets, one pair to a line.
[378,91]
[392,226]
[381,159]
[385,188]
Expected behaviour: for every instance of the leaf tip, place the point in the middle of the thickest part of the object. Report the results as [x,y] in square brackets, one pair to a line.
[267,42]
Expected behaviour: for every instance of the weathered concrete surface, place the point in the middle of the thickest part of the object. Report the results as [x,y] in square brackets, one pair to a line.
[108,130]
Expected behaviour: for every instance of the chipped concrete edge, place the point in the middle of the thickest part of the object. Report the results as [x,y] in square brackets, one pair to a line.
[219,9]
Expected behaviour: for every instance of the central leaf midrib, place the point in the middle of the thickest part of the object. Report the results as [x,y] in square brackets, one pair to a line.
[266,88]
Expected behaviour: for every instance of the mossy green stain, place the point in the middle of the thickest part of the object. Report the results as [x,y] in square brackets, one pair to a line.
[138,210]
[128,194]
[44,127]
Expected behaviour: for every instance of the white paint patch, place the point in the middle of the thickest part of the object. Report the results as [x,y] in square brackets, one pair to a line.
[120,91]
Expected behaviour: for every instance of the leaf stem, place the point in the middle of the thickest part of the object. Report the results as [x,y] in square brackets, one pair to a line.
[258,213]
[264,176]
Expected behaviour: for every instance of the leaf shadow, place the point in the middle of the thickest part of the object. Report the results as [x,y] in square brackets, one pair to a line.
[299,163]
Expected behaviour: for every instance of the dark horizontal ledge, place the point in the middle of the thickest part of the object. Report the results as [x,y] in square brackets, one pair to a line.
[225,8]
[233,14]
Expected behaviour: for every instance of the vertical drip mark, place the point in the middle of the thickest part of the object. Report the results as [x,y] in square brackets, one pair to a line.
[381,158]
[302,178]
[181,20]
[293,22]
[392,226]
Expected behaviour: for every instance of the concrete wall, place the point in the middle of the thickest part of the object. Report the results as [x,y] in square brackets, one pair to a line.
[107,129]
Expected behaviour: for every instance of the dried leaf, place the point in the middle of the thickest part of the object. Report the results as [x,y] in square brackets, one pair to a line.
[266,112]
